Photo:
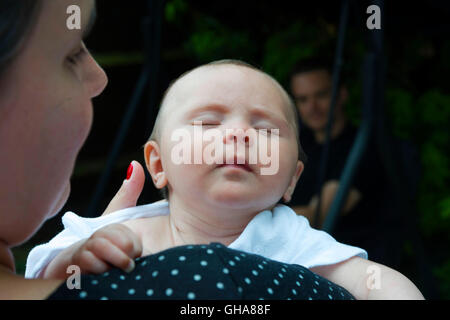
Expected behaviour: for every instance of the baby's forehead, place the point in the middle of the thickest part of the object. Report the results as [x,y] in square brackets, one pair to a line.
[225,82]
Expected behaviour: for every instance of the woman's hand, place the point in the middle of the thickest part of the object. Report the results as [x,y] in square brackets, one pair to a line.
[130,190]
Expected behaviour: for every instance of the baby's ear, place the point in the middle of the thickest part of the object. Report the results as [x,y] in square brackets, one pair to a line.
[152,155]
[290,189]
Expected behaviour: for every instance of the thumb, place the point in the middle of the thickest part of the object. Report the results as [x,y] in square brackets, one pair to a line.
[130,190]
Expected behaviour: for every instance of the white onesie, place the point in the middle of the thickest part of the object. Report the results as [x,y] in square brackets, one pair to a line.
[279,234]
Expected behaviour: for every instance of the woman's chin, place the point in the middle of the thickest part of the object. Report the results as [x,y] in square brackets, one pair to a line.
[60,202]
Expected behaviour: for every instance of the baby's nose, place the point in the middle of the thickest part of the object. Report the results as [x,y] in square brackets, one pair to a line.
[239,136]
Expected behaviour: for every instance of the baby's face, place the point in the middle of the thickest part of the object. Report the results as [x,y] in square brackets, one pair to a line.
[226,139]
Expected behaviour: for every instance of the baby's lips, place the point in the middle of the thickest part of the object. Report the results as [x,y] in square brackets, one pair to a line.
[241,162]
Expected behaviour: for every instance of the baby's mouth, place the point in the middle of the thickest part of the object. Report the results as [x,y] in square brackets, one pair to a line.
[234,164]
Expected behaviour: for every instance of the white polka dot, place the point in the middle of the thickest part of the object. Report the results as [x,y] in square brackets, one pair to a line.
[294,291]
[297,283]
[247,280]
[237,258]
[83,294]
[209,251]
[106,274]
[182,258]
[309,298]
[104,298]
[317,283]
[154,273]
[276,282]
[239,289]
[191,295]
[190,247]
[122,277]
[243,255]
[174,272]
[283,270]
[161,258]
[255,273]
[231,263]
[197,277]
[203,246]
[300,276]
[225,270]
[138,277]
[280,275]
[203,263]
[169,292]
[331,289]
[260,266]
[269,290]
[330,297]
[131,291]
[94,282]
[114,286]
[220,285]
[144,263]
[149,292]
[315,291]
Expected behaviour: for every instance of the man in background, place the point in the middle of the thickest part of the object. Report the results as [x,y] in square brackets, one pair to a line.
[363,221]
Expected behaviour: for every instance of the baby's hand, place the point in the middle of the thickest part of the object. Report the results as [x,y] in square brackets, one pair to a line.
[114,245]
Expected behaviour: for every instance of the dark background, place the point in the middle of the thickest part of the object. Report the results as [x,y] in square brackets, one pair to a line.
[273,35]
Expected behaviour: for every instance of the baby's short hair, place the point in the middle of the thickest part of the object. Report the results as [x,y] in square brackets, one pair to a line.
[156,132]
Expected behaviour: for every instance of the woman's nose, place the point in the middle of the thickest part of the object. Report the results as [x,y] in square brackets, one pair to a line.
[95,78]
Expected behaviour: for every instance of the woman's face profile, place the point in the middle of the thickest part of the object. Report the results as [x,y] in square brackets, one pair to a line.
[46,113]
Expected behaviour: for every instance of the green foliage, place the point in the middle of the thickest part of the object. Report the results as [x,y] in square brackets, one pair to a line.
[280,53]
[174,9]
[214,41]
[443,274]
[400,110]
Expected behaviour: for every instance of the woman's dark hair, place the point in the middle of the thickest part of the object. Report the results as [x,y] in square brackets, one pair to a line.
[16,19]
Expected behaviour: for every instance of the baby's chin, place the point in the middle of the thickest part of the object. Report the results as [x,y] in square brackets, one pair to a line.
[237,199]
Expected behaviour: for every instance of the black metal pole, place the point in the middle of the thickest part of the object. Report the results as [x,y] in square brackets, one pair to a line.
[150,32]
[335,90]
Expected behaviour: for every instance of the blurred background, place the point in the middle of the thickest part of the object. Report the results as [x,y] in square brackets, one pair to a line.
[273,35]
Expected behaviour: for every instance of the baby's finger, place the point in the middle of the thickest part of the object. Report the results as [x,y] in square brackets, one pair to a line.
[123,238]
[89,263]
[106,251]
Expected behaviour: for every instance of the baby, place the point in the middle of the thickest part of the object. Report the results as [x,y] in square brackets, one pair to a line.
[222,186]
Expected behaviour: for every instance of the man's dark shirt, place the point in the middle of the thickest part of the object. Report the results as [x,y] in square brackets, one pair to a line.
[368,225]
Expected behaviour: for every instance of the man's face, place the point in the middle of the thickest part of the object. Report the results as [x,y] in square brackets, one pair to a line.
[227,98]
[312,94]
